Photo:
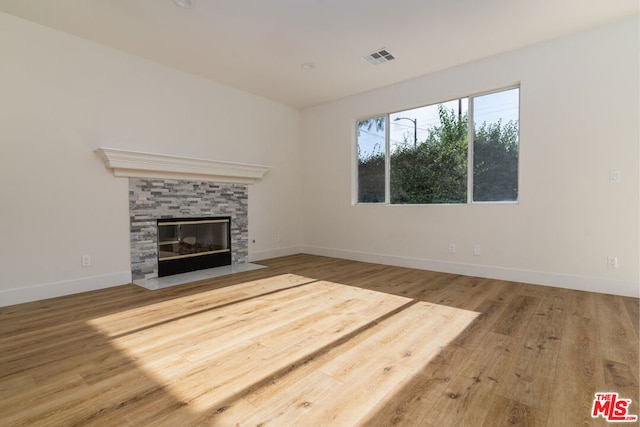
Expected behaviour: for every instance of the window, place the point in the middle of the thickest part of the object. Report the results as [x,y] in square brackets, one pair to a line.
[371,160]
[421,156]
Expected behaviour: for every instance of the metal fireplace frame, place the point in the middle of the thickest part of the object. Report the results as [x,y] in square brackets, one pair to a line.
[191,261]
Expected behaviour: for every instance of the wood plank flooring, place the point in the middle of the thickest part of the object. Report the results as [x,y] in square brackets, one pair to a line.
[315,341]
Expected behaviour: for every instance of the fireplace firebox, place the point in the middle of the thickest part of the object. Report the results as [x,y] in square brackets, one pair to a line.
[189,244]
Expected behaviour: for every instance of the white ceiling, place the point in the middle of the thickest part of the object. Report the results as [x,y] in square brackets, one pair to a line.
[259,45]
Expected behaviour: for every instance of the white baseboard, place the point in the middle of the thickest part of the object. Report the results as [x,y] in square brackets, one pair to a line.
[274,253]
[491,272]
[58,289]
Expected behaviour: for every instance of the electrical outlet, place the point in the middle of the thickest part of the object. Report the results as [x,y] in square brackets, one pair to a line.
[452,248]
[477,249]
[612,261]
[86,260]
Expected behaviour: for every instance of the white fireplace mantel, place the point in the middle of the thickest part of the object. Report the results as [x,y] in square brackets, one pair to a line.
[126,163]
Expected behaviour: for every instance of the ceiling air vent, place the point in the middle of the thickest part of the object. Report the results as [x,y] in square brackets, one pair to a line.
[378,57]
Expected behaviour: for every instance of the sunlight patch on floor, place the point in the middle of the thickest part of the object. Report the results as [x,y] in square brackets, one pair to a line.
[352,344]
[348,385]
[166,310]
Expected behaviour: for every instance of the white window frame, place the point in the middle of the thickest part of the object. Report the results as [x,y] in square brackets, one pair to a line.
[470,153]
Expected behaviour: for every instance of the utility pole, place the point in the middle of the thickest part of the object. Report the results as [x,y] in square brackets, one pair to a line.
[415,128]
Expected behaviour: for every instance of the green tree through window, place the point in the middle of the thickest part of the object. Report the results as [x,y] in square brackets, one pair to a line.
[434,171]
[371,161]
[434,168]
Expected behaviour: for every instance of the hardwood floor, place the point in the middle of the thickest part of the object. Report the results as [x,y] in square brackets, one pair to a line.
[313,341]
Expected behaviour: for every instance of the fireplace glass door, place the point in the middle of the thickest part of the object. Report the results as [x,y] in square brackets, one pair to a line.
[193,244]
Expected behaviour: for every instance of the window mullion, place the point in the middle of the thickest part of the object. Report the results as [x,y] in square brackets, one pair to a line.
[470,133]
[387,161]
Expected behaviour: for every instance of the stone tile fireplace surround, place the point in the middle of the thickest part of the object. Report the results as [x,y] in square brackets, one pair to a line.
[168,186]
[152,199]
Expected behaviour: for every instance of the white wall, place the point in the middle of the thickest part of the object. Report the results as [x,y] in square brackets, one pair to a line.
[62,97]
[579,120]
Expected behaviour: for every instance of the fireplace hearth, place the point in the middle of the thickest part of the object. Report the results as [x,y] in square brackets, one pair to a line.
[189,244]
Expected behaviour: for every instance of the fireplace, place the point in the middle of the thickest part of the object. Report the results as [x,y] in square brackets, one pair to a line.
[168,186]
[189,244]
[151,200]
